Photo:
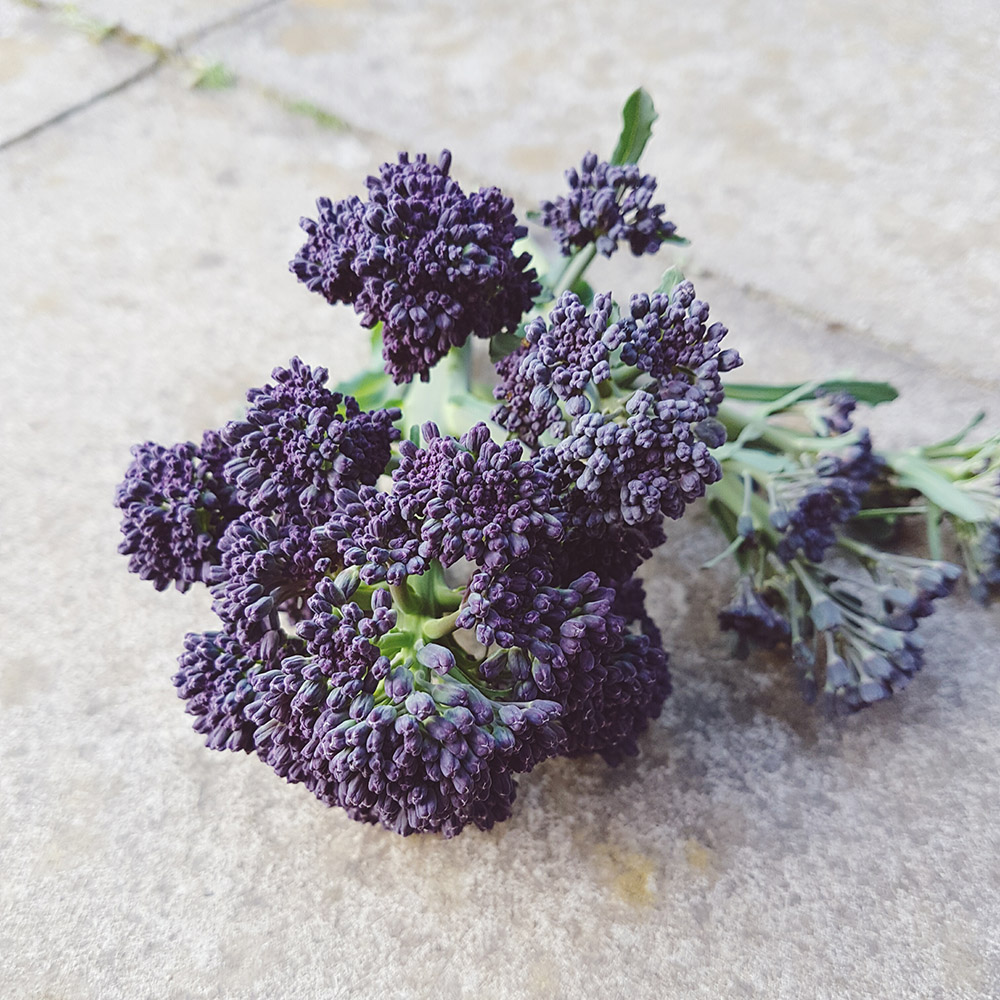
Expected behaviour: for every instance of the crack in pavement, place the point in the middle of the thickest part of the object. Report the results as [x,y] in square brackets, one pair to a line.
[225,22]
[74,109]
[105,34]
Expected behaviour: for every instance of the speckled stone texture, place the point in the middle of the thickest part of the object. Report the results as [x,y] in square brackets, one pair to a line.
[753,850]
[46,69]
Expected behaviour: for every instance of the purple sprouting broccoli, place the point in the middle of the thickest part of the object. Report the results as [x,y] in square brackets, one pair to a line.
[981,547]
[628,405]
[187,506]
[268,568]
[608,205]
[176,504]
[404,654]
[297,446]
[753,618]
[469,499]
[558,637]
[851,626]
[810,504]
[430,263]
[299,442]
[371,717]
[609,679]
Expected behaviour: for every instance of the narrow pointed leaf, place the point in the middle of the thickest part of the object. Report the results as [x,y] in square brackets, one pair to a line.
[871,393]
[638,116]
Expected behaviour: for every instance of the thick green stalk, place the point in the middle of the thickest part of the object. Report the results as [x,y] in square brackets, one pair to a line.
[754,427]
[438,628]
[432,400]
[574,270]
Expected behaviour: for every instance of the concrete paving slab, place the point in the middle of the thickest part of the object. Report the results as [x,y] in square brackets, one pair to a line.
[752,850]
[169,22]
[47,67]
[839,155]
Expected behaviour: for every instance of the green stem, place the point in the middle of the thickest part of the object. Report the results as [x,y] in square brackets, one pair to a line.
[402,598]
[754,427]
[438,628]
[731,492]
[729,550]
[431,400]
[866,552]
[934,531]
[808,583]
[574,270]
[916,473]
[870,512]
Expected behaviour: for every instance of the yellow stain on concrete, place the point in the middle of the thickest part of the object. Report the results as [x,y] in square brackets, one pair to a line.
[14,56]
[630,875]
[308,38]
[700,856]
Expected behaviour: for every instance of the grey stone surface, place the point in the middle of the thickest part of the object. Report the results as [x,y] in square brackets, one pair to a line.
[168,22]
[752,850]
[47,68]
[840,155]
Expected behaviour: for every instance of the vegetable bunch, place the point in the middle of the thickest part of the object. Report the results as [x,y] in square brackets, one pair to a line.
[426,586]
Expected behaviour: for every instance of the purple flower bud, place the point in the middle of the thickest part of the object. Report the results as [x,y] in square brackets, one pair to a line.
[421,705]
[437,658]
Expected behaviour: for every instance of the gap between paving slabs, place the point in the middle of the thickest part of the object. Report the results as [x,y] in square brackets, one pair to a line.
[207,75]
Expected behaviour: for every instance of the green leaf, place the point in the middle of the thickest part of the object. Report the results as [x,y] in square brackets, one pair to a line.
[583,291]
[956,438]
[672,277]
[372,390]
[214,76]
[871,393]
[638,116]
[502,344]
[757,459]
[918,475]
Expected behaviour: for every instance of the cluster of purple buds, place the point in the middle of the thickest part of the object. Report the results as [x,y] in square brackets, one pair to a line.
[982,557]
[834,415]
[849,622]
[966,477]
[851,629]
[979,541]
[621,408]
[343,657]
[176,504]
[846,612]
[608,205]
[468,499]
[300,442]
[811,503]
[430,263]
[868,626]
[407,625]
[267,569]
[753,617]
